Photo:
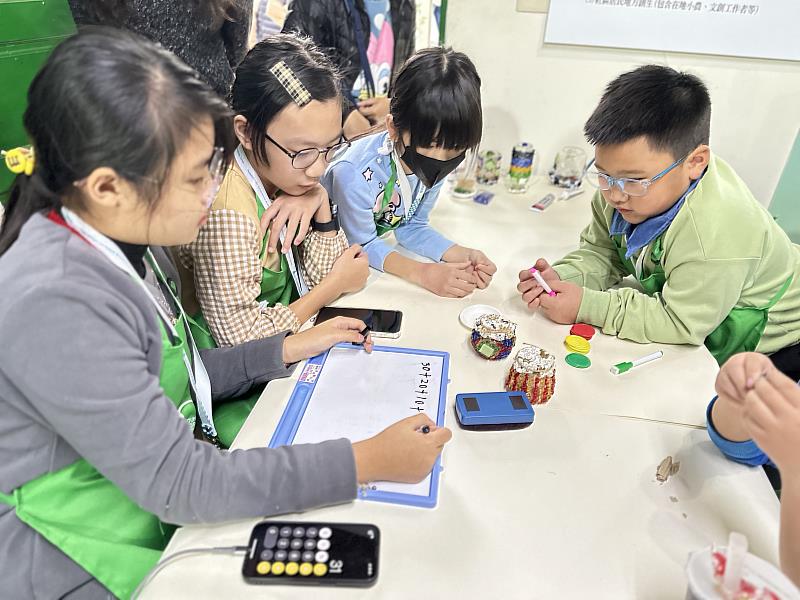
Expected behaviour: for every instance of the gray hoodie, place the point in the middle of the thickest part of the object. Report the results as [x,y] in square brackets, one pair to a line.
[80,351]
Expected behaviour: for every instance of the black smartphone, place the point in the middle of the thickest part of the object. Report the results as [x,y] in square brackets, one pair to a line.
[381,322]
[312,553]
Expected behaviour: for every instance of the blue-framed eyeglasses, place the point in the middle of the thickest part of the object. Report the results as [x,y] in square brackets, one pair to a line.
[629,187]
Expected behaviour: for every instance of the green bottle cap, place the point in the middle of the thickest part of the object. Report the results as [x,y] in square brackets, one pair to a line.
[579,361]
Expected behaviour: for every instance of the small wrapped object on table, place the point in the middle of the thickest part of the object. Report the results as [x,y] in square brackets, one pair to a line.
[533,372]
[493,336]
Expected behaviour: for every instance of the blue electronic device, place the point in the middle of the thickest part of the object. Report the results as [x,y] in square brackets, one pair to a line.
[493,411]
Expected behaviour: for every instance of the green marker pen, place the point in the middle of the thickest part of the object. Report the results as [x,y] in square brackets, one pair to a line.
[623,367]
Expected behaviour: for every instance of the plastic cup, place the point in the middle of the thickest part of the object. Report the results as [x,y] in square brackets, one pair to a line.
[760,578]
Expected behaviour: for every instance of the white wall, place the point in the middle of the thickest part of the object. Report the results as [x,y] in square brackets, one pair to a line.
[544,94]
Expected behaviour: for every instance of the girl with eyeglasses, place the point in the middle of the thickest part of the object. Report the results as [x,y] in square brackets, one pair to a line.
[106,405]
[244,282]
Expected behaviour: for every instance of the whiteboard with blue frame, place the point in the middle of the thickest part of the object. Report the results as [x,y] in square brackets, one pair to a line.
[746,28]
[348,393]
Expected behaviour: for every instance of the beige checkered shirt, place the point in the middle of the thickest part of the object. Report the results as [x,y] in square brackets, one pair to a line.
[225,267]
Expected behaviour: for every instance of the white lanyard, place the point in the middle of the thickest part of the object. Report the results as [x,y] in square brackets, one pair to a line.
[410,203]
[258,187]
[639,266]
[198,376]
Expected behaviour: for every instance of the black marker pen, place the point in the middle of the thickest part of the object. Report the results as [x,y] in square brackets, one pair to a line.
[364,332]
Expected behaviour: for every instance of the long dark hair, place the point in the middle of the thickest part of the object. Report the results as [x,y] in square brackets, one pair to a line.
[108,98]
[259,96]
[436,97]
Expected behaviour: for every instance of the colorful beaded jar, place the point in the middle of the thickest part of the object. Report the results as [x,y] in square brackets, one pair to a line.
[493,336]
[533,372]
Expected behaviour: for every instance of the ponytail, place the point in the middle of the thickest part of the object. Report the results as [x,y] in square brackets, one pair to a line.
[27,196]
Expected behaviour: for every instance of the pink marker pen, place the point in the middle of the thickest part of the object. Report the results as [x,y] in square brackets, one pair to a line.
[538,277]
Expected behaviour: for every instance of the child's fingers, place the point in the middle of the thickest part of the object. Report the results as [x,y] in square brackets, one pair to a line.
[753,366]
[266,219]
[725,386]
[483,279]
[757,412]
[766,394]
[349,323]
[560,286]
[464,285]
[291,230]
[270,214]
[275,228]
[302,231]
[461,266]
[352,336]
[542,265]
[547,301]
[534,304]
[527,286]
[440,436]
[466,276]
[786,388]
[486,266]
[532,294]
[455,292]
[525,275]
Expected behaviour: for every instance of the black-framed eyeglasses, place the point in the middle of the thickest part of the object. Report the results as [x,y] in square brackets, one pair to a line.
[307,157]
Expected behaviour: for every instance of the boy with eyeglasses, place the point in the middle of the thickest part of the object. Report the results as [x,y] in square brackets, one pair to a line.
[713,266]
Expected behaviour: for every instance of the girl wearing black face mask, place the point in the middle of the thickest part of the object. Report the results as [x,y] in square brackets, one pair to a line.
[390,181]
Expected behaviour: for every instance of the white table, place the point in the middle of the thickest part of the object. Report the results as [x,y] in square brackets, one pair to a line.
[570,506]
[513,237]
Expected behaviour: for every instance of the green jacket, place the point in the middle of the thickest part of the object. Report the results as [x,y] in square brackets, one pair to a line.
[722,251]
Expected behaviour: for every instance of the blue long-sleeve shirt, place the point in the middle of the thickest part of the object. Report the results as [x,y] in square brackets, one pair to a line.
[356,182]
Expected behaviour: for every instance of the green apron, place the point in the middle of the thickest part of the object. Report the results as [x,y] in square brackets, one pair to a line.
[741,330]
[89,518]
[276,286]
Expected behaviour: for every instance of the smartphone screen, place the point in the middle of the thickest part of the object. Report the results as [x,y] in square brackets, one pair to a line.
[308,553]
[380,321]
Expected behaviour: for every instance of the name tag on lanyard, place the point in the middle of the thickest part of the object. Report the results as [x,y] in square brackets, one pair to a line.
[261,193]
[198,376]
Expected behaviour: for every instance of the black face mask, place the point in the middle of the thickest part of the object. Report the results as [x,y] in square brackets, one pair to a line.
[430,170]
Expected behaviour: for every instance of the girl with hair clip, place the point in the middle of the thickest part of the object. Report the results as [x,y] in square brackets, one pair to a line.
[106,403]
[239,288]
[390,181]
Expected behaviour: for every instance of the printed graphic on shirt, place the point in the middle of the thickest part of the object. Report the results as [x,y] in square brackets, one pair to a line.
[391,214]
[380,51]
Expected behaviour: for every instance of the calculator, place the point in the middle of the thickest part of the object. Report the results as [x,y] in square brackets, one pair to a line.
[494,411]
[308,553]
